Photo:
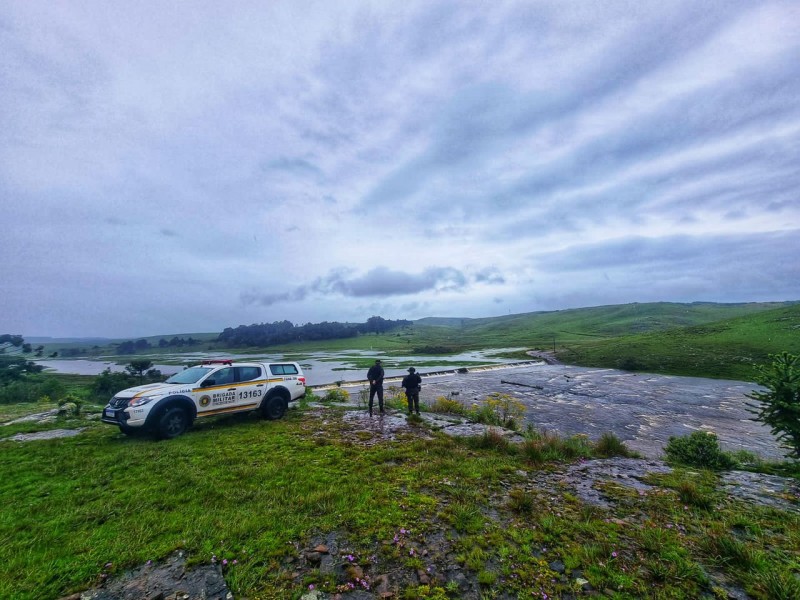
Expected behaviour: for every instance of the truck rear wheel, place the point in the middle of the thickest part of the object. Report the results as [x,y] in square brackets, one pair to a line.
[274,408]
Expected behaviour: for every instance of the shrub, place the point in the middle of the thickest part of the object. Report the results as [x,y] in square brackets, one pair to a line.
[18,391]
[70,406]
[337,395]
[498,409]
[107,384]
[699,449]
[483,414]
[444,404]
[508,409]
[395,397]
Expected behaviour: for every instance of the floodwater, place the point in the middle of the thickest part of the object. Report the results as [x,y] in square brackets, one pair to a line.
[320,368]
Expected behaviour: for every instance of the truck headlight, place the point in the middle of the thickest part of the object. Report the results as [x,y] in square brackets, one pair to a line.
[141,400]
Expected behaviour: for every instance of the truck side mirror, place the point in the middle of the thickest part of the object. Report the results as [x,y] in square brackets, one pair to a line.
[208,383]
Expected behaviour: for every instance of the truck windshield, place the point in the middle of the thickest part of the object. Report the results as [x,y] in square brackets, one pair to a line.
[191,375]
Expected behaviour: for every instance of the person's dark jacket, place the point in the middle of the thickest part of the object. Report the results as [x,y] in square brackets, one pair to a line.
[412,382]
[375,374]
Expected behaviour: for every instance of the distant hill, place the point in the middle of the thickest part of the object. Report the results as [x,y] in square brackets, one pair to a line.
[68,340]
[580,324]
[726,348]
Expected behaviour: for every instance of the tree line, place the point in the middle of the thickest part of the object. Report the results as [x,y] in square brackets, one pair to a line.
[285,332]
[134,346]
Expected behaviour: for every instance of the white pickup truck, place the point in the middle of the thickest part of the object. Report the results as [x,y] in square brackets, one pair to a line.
[212,388]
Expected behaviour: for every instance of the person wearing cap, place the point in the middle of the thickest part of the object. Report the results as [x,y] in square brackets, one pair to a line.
[412,384]
[375,376]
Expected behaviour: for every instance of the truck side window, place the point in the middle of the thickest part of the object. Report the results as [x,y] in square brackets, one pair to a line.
[248,373]
[223,376]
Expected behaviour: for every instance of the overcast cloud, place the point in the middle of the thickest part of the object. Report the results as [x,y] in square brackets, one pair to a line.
[186,167]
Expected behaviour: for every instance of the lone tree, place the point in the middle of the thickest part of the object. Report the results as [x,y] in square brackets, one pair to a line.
[779,406]
[138,367]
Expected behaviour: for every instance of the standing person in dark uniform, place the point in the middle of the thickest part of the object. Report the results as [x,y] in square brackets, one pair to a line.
[412,384]
[375,376]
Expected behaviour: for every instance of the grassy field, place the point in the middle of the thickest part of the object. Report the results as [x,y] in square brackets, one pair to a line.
[578,325]
[260,492]
[725,349]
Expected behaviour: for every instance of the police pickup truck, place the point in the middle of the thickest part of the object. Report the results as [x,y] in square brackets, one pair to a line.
[212,388]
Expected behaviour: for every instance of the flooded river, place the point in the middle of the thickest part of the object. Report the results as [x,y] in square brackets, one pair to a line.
[320,368]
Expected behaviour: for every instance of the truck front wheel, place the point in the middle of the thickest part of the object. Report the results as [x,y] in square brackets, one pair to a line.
[128,430]
[172,423]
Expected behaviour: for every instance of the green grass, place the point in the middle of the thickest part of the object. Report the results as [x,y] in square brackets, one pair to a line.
[723,349]
[257,491]
[578,325]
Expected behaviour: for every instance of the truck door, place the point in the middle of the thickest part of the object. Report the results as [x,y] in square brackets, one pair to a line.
[251,385]
[218,392]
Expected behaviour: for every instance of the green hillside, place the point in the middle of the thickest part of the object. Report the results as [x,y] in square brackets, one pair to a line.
[727,348]
[577,325]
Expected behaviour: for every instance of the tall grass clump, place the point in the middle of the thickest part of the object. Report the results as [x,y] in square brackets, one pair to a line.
[690,494]
[521,501]
[492,439]
[610,445]
[540,447]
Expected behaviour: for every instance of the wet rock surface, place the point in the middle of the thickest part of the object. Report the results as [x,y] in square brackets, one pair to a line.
[766,490]
[643,410]
[168,580]
[49,416]
[50,434]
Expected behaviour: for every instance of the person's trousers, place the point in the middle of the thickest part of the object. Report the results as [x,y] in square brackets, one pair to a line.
[413,402]
[375,389]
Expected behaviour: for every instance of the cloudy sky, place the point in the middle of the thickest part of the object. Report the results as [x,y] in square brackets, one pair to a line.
[173,167]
